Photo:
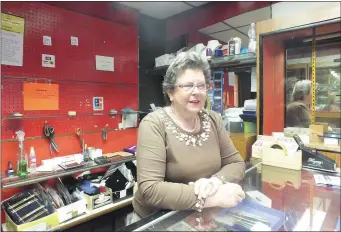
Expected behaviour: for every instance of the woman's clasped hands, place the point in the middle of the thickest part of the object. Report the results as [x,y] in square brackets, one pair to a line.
[218,194]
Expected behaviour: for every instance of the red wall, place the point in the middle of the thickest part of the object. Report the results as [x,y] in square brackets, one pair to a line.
[111,11]
[273,85]
[78,79]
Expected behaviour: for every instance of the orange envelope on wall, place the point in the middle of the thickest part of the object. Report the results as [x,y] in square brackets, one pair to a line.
[40,96]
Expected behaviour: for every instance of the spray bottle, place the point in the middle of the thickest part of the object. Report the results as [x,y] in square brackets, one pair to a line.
[22,161]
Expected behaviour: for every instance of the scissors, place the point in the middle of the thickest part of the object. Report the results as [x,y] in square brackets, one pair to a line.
[79,134]
[49,133]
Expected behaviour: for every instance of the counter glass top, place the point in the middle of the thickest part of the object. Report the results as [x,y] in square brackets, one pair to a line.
[293,193]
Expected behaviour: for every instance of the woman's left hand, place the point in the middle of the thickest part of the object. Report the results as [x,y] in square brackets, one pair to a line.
[206,187]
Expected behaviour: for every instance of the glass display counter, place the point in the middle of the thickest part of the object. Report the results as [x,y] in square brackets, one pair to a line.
[294,194]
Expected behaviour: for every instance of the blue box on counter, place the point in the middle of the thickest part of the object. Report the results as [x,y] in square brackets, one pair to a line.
[274,217]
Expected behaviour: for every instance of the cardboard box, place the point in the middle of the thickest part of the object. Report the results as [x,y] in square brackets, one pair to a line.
[49,222]
[316,132]
[95,201]
[72,210]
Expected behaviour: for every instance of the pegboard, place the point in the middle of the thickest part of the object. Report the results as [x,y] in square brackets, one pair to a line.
[74,97]
[76,74]
[96,37]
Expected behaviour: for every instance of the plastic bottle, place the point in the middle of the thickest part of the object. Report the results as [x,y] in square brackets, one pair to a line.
[252,38]
[22,156]
[33,161]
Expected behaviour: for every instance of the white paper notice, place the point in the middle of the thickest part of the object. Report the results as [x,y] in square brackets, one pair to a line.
[48,61]
[253,80]
[231,78]
[12,40]
[47,40]
[74,41]
[105,63]
[129,120]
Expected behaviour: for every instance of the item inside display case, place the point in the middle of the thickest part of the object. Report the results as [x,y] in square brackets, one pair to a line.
[246,216]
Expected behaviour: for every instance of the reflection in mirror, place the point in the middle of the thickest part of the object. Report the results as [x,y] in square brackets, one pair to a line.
[298,85]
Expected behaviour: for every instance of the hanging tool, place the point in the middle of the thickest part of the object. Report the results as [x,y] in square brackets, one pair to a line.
[80,136]
[104,134]
[49,133]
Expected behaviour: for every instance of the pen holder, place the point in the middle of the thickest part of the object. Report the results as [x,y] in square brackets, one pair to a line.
[279,158]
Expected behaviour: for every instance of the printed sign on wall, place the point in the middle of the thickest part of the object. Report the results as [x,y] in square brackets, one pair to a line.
[12,40]
[74,41]
[98,103]
[105,63]
[48,61]
[47,40]
[40,96]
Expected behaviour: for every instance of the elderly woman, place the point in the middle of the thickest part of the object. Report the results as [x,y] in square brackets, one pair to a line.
[185,158]
[298,113]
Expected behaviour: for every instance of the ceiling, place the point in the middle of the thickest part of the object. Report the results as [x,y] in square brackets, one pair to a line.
[237,26]
[162,10]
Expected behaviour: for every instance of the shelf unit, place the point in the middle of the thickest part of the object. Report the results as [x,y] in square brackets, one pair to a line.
[216,91]
[88,215]
[234,62]
[15,181]
[231,62]
[66,115]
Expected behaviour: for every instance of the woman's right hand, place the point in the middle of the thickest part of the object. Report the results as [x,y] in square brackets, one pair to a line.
[227,196]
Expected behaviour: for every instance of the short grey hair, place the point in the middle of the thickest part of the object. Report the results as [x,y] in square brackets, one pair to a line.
[301,89]
[183,62]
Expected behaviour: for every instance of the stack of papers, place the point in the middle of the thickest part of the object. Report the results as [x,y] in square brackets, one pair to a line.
[327,181]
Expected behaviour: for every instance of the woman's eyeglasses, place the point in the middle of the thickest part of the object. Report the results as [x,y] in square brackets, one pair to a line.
[190,87]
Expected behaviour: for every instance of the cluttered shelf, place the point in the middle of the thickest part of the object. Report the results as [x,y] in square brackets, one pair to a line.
[89,214]
[24,79]
[69,115]
[327,114]
[119,203]
[243,60]
[15,181]
[247,59]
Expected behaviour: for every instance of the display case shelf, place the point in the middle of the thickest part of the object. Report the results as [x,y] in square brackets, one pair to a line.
[327,114]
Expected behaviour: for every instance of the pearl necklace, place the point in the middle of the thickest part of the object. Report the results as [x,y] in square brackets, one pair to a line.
[180,124]
[188,139]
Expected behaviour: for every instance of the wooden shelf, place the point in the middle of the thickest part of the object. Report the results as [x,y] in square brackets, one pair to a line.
[326,114]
